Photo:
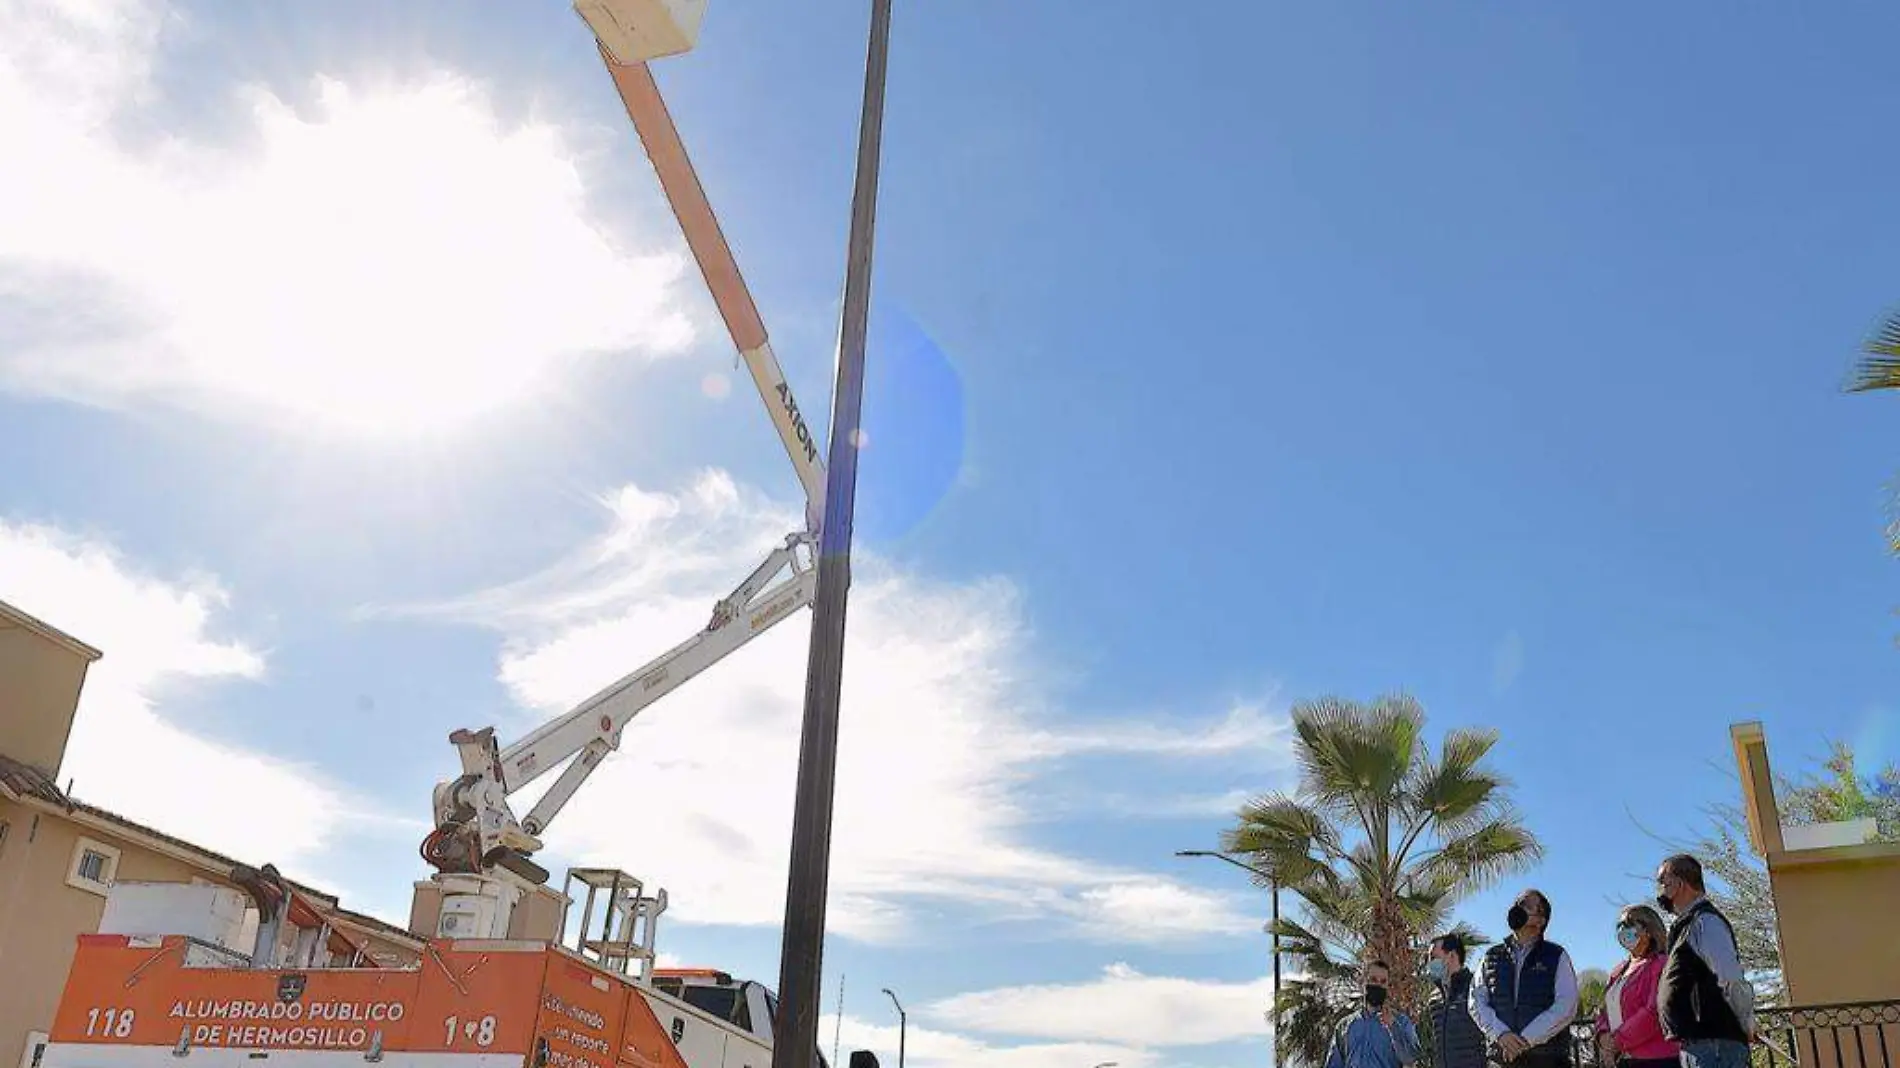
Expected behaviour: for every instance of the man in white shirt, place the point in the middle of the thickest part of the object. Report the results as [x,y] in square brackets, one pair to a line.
[1525,992]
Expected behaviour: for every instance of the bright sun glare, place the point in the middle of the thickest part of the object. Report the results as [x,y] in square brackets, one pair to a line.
[391,264]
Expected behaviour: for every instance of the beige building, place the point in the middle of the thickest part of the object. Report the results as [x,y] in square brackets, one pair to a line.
[59,856]
[1834,886]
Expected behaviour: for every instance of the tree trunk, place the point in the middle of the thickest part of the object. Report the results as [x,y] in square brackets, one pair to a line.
[1393,942]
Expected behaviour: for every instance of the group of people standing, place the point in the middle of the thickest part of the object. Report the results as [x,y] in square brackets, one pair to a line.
[1679,999]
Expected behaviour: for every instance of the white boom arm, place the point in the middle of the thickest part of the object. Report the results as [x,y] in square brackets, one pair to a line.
[476,826]
[476,829]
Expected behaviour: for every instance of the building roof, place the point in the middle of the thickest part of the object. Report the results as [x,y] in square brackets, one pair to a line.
[11,616]
[20,781]
[24,782]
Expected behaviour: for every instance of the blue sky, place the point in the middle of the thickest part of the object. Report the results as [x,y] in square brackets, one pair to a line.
[359,391]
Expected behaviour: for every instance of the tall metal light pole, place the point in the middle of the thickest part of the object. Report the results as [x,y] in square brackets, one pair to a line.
[1274,884]
[903,1025]
[801,955]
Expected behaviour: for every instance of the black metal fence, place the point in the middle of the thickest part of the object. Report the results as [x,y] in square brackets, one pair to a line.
[1864,1034]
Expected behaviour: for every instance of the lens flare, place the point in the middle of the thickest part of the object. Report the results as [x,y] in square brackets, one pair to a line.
[913,428]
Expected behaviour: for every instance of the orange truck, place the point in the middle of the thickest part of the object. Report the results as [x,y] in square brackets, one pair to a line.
[204,976]
[141,1001]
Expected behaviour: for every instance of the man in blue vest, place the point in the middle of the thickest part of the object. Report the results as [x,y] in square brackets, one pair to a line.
[1377,1035]
[1525,993]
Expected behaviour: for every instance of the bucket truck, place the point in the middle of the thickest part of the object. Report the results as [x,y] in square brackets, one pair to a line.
[172,976]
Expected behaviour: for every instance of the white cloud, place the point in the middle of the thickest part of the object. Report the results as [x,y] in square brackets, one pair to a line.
[1183,806]
[1247,727]
[1158,911]
[1136,1020]
[927,1047]
[1123,1006]
[943,735]
[157,634]
[400,260]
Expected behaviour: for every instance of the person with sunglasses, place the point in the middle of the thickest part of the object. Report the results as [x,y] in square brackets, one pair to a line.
[1629,1027]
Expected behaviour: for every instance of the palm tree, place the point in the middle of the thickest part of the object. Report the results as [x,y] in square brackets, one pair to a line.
[1379,841]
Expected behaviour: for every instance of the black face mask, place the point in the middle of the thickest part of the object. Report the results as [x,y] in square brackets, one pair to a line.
[1375,996]
[1517,918]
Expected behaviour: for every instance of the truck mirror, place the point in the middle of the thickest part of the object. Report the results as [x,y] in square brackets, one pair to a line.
[863,1058]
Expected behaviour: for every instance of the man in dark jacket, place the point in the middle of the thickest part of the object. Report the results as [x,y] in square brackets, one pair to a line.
[1525,993]
[1455,1035]
[1706,1001]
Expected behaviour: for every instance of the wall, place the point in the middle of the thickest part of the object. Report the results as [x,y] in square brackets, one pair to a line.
[1840,931]
[41,916]
[39,690]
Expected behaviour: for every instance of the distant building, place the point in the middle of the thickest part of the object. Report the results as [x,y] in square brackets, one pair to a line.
[59,856]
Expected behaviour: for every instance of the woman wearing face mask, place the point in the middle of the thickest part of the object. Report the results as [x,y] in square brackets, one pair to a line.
[1629,1028]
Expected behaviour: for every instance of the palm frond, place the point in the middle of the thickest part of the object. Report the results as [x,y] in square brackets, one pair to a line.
[1350,753]
[1880,369]
[1285,837]
[1456,789]
[1480,858]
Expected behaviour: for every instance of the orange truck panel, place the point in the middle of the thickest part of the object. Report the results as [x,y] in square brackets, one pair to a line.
[645,1042]
[547,1006]
[581,1009]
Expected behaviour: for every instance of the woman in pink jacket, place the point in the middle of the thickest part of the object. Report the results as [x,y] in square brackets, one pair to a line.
[1629,1029]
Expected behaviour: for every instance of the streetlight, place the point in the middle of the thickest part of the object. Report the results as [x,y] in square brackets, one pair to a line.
[1274,928]
[802,947]
[903,1024]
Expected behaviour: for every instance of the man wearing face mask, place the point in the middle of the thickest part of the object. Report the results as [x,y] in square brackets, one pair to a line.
[1525,993]
[1377,1035]
[1455,1035]
[1706,1001]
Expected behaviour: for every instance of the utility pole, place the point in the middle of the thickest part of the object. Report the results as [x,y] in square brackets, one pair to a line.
[801,955]
[1273,928]
[837,1029]
[903,1025]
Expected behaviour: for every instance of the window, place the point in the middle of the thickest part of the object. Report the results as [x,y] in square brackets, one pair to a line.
[94,866]
[719,1001]
[35,1049]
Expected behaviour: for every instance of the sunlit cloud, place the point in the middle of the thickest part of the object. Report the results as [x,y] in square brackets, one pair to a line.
[395,262]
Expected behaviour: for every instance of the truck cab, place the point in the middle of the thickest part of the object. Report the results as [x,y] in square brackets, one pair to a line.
[716,1019]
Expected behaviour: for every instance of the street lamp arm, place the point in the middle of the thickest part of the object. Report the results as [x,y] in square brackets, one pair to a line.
[1272,928]
[1268,876]
[903,1025]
